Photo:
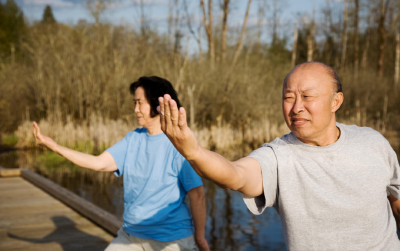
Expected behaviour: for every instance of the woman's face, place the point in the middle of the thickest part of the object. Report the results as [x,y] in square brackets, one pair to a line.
[143,108]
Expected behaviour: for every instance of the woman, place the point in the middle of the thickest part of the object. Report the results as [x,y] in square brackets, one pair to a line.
[156,179]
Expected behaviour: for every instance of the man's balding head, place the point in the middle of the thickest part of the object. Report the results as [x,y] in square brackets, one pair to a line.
[312,93]
[337,85]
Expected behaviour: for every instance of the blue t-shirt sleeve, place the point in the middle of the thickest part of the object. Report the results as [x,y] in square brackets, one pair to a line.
[118,152]
[186,175]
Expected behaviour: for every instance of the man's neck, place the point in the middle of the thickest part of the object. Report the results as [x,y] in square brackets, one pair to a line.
[330,136]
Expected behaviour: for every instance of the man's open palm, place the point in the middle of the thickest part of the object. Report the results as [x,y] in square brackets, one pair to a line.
[174,125]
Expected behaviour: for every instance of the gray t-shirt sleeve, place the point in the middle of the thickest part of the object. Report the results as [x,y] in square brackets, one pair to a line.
[394,186]
[269,169]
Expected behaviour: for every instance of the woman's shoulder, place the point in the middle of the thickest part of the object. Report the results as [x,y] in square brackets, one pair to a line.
[138,132]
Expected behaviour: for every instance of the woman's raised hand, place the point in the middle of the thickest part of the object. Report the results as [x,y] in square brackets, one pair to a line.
[174,125]
[43,140]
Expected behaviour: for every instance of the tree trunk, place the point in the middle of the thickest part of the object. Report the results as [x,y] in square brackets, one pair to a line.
[240,42]
[344,37]
[365,52]
[356,59]
[310,42]
[225,9]
[209,29]
[382,38]
[294,51]
[191,90]
[397,62]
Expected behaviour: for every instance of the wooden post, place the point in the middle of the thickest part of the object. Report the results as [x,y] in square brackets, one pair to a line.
[397,62]
[294,51]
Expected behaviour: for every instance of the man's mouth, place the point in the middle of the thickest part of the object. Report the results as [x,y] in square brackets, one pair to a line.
[299,121]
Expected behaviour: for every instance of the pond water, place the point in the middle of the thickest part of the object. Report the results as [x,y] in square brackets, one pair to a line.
[229,226]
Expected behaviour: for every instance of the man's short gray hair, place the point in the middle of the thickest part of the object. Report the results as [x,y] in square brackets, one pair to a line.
[330,71]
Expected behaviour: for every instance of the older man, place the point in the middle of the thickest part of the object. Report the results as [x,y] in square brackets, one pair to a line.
[328,181]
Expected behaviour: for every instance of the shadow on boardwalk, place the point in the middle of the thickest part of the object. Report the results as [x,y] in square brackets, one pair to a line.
[68,236]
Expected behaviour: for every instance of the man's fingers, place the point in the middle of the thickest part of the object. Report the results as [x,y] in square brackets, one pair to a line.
[182,118]
[162,117]
[167,111]
[174,112]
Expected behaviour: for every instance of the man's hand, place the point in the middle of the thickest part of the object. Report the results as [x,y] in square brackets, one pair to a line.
[43,140]
[243,175]
[174,125]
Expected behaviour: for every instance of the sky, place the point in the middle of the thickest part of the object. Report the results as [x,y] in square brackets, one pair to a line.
[70,11]
[125,12]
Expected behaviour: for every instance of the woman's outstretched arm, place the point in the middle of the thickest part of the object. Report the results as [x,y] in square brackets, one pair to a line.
[104,162]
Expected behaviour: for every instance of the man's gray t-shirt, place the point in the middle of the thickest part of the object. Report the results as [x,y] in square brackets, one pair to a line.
[332,197]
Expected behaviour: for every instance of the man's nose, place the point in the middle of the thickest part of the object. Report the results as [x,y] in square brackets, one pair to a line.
[298,106]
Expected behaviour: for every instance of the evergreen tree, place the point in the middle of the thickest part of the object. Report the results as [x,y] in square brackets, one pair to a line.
[48,17]
[12,26]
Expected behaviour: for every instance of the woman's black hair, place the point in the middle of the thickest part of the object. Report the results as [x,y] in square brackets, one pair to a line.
[155,87]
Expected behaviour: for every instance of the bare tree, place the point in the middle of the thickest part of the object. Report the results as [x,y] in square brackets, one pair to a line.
[208,26]
[344,37]
[262,6]
[225,9]
[310,41]
[97,8]
[383,32]
[356,56]
[382,35]
[294,51]
[310,38]
[397,62]
[142,10]
[366,47]
[240,41]
[189,25]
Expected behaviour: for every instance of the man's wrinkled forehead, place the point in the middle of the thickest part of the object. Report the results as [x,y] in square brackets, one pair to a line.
[309,70]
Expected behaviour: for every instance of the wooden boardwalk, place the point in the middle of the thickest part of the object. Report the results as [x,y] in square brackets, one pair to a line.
[30,219]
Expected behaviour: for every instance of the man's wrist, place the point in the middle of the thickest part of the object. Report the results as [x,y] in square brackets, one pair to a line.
[194,154]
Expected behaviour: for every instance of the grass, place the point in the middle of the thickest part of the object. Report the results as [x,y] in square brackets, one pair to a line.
[9,139]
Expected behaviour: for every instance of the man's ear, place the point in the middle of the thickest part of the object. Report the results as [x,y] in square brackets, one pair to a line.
[337,101]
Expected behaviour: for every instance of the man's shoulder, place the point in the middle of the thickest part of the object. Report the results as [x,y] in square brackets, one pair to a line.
[354,132]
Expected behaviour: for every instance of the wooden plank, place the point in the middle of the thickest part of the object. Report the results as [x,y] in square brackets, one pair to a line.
[14,172]
[99,216]
[25,225]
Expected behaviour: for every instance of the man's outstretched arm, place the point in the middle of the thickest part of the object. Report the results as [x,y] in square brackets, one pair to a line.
[243,175]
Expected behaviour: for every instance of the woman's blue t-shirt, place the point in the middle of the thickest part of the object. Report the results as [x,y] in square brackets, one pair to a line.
[156,179]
